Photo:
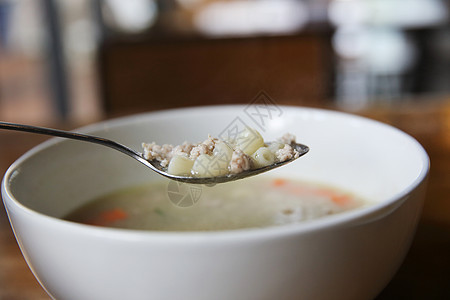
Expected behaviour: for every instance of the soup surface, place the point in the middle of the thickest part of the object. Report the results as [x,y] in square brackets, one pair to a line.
[250,203]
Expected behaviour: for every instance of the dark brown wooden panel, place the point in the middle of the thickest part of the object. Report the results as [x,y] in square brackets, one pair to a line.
[165,74]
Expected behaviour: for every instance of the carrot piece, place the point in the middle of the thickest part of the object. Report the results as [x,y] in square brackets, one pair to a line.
[340,199]
[110,216]
[279,182]
[333,196]
[113,215]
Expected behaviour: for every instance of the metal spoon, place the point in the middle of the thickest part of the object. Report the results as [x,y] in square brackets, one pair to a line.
[154,165]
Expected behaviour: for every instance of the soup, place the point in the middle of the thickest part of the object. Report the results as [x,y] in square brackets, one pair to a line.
[250,203]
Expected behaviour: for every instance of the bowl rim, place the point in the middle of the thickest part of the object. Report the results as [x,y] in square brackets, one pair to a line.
[332,221]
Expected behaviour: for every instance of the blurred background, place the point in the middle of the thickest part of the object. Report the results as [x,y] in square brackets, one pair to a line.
[68,63]
[80,61]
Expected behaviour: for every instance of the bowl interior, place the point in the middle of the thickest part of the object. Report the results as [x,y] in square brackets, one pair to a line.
[366,157]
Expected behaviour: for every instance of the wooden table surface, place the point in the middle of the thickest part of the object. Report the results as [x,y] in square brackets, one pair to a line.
[425,273]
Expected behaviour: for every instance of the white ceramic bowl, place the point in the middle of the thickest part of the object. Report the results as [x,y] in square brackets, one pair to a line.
[346,256]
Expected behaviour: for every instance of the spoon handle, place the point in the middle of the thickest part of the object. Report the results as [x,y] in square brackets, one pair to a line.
[71,135]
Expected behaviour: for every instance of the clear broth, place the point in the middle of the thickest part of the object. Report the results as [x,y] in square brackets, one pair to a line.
[250,203]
